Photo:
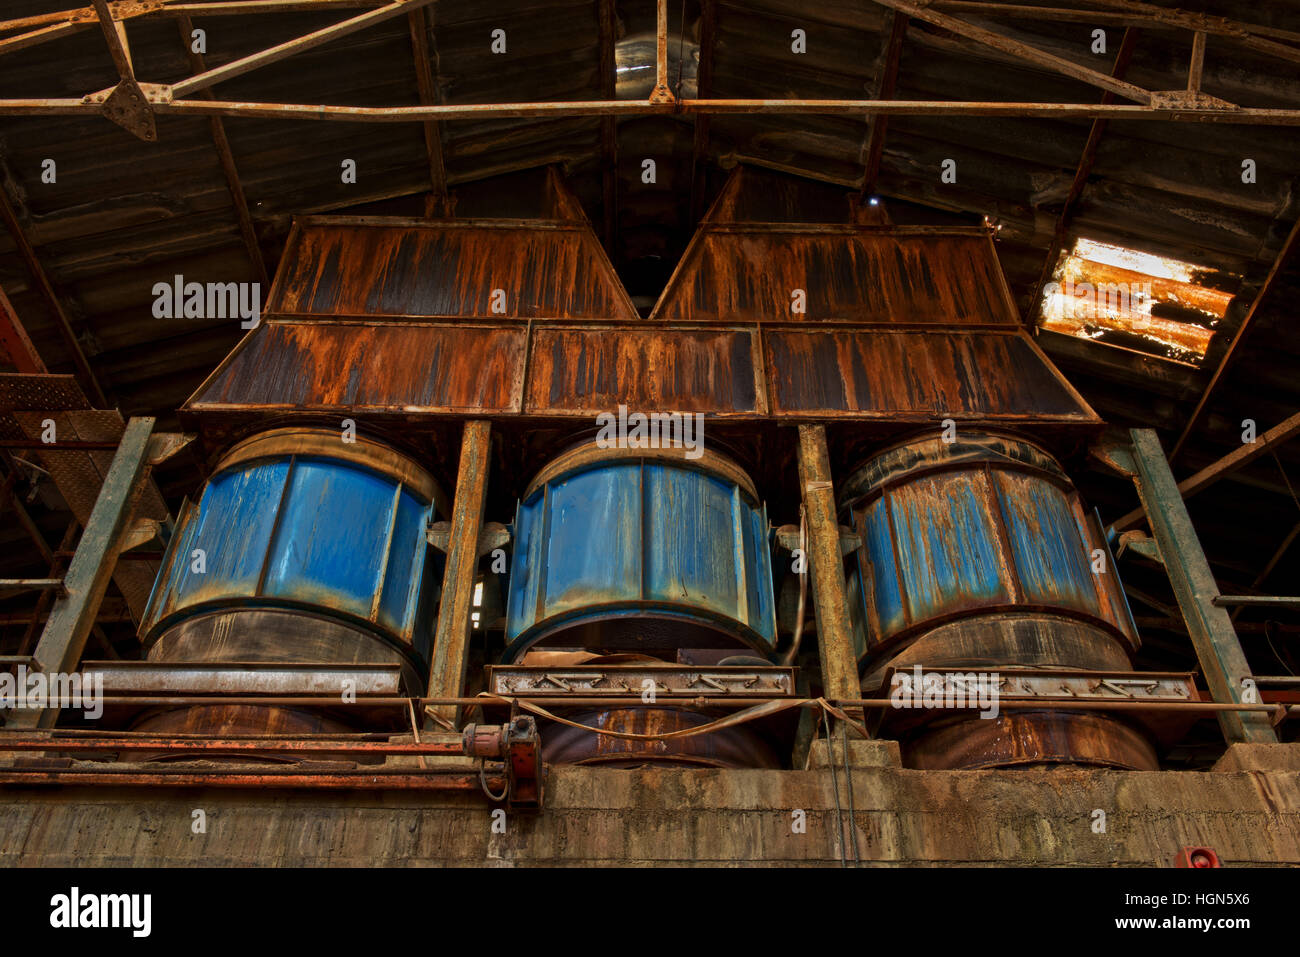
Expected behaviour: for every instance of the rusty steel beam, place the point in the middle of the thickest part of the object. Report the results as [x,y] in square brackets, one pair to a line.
[883,89]
[606,36]
[438,203]
[1124,13]
[287,49]
[451,641]
[64,325]
[1020,50]
[1218,649]
[703,87]
[1234,460]
[825,563]
[1288,247]
[717,107]
[227,159]
[115,36]
[1123,57]
[34,37]
[73,616]
[661,92]
[15,341]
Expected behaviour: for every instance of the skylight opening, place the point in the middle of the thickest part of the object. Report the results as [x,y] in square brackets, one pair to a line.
[1124,297]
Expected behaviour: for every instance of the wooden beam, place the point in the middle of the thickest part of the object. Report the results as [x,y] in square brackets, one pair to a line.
[451,641]
[438,203]
[825,563]
[86,580]
[1197,67]
[1020,50]
[228,168]
[1123,57]
[287,49]
[1288,247]
[64,325]
[16,342]
[882,89]
[1218,649]
[1234,460]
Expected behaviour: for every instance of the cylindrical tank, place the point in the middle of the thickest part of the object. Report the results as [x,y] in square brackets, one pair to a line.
[978,554]
[301,548]
[647,551]
[640,550]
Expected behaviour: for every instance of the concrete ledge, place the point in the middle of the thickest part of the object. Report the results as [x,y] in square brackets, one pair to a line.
[862,754]
[680,816]
[1260,757]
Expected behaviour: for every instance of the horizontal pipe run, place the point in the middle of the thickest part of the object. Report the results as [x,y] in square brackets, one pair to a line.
[330,780]
[698,702]
[1257,601]
[548,110]
[204,745]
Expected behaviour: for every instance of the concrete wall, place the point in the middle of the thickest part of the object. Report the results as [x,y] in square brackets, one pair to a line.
[660,816]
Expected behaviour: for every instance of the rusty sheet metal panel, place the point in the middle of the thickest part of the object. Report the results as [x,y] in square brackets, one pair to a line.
[585,371]
[387,367]
[883,372]
[851,274]
[546,269]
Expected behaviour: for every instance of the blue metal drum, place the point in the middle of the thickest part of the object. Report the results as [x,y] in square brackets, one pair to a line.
[640,549]
[980,525]
[978,555]
[301,547]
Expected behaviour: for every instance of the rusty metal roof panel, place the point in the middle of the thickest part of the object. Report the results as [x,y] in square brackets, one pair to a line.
[585,371]
[858,274]
[925,375]
[373,367]
[475,268]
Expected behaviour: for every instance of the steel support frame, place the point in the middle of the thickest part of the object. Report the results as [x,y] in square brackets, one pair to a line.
[1223,663]
[451,640]
[825,562]
[73,616]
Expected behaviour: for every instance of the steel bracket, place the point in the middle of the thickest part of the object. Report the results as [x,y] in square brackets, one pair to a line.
[127,105]
[1189,100]
[493,535]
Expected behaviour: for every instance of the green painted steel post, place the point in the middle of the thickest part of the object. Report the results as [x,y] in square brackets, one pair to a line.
[451,641]
[1222,660]
[73,615]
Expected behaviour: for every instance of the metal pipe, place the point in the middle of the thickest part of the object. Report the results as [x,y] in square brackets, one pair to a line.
[699,702]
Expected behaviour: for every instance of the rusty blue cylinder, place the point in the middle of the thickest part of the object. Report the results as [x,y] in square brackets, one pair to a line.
[977,554]
[982,525]
[301,547]
[640,550]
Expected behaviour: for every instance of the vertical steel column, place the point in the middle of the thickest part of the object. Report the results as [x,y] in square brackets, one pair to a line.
[64,638]
[825,562]
[451,642]
[1222,660]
